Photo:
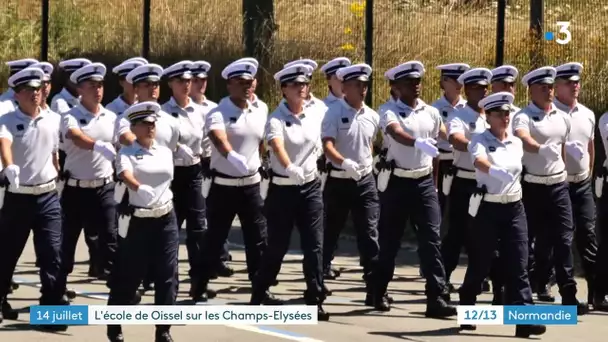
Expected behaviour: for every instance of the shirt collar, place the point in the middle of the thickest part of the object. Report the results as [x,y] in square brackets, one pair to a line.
[228,102]
[419,105]
[88,113]
[566,108]
[174,104]
[351,109]
[537,110]
[22,116]
[68,96]
[460,104]
[288,113]
[331,97]
[154,146]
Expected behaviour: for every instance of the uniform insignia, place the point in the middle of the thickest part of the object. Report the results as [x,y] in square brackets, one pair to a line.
[20,127]
[535,118]
[472,125]
[32,73]
[508,142]
[139,156]
[492,149]
[288,123]
[344,120]
[232,119]
[445,113]
[247,67]
[299,69]
[150,69]
[255,104]
[174,115]
[148,107]
[362,69]
[402,114]
[83,121]
[504,98]
[95,69]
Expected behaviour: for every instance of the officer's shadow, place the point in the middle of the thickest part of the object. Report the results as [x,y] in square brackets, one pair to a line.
[24,326]
[452,331]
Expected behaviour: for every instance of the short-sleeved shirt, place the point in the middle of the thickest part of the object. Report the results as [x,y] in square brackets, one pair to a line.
[330,99]
[7,95]
[468,122]
[582,129]
[118,105]
[300,135]
[63,102]
[167,129]
[353,131]
[245,131]
[505,154]
[8,103]
[260,105]
[514,110]
[87,164]
[602,126]
[446,108]
[207,106]
[544,128]
[191,123]
[422,121]
[152,167]
[34,142]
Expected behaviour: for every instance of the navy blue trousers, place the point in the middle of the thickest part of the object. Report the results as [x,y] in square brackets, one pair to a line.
[601,266]
[302,207]
[40,214]
[224,203]
[413,200]
[150,242]
[501,227]
[459,222]
[550,227]
[360,199]
[93,210]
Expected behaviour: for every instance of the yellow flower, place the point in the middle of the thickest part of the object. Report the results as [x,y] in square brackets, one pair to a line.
[357,8]
[348,30]
[347,47]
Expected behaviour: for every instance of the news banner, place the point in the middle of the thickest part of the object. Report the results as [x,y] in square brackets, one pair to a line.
[273,315]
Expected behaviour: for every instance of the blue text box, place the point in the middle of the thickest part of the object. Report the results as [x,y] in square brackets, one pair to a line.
[540,314]
[59,314]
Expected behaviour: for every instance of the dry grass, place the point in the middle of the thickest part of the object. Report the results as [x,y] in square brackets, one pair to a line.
[431,31]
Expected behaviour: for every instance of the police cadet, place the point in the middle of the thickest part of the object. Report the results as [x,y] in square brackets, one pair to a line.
[498,211]
[582,131]
[601,266]
[349,130]
[200,70]
[254,99]
[88,195]
[409,194]
[45,89]
[28,149]
[187,183]
[127,98]
[294,196]
[67,98]
[310,98]
[335,95]
[462,125]
[545,131]
[236,129]
[503,79]
[450,101]
[146,167]
[8,102]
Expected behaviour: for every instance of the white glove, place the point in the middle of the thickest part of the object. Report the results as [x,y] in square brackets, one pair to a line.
[427,145]
[351,168]
[550,151]
[239,161]
[12,174]
[296,173]
[147,193]
[184,152]
[575,149]
[501,174]
[106,149]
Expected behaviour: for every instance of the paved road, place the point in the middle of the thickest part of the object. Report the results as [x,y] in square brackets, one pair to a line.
[351,321]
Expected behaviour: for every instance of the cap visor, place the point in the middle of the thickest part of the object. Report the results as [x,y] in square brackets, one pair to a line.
[150,79]
[504,107]
[96,78]
[149,119]
[545,81]
[32,83]
[570,78]
[187,76]
[480,82]
[301,79]
[46,78]
[244,77]
[361,78]
[508,79]
[201,75]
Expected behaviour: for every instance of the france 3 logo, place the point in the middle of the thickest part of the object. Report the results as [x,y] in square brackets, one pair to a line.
[563,35]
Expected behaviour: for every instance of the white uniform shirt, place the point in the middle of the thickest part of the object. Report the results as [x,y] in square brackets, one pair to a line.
[602,125]
[245,131]
[7,95]
[354,131]
[8,103]
[468,122]
[34,142]
[381,110]
[153,167]
[514,110]
[423,121]
[207,106]
[330,99]
[63,102]
[85,164]
[582,129]
[118,106]
[445,108]
[191,124]
[300,135]
[506,154]
[553,127]
[260,105]
[167,129]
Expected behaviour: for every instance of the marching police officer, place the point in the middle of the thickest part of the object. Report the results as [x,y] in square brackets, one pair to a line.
[200,70]
[498,211]
[450,101]
[235,128]
[127,98]
[254,99]
[28,149]
[146,167]
[187,183]
[349,130]
[310,98]
[67,98]
[462,125]
[409,190]
[582,131]
[294,195]
[601,265]
[8,102]
[88,195]
[545,132]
